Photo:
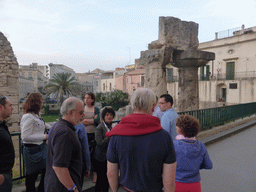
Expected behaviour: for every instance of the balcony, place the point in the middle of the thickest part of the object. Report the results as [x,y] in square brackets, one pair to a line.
[234,76]
[220,76]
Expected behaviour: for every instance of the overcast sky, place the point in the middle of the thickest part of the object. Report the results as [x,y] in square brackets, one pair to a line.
[89,34]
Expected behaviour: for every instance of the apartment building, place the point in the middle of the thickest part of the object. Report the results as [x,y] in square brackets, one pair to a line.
[231,77]
[31,79]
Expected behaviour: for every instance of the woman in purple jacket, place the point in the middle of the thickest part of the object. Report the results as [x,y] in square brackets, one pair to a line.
[191,155]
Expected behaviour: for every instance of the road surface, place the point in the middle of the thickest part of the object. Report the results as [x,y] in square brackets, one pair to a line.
[234,164]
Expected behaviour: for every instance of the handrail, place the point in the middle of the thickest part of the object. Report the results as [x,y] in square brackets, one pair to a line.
[20,160]
[220,115]
[207,118]
[220,76]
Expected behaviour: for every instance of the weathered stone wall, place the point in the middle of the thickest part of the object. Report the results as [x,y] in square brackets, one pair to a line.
[174,34]
[9,80]
[180,35]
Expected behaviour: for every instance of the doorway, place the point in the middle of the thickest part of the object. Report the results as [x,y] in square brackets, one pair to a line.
[224,94]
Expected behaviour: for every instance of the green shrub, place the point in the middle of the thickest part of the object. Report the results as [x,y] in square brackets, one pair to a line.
[116,99]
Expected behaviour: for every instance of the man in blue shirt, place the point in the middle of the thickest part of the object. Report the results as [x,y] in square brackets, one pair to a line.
[82,136]
[169,116]
[157,111]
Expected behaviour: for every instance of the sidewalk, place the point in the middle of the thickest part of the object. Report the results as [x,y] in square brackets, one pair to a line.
[218,133]
[207,137]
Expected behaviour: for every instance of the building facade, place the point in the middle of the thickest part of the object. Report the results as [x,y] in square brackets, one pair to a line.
[31,79]
[60,68]
[231,77]
[134,80]
[107,81]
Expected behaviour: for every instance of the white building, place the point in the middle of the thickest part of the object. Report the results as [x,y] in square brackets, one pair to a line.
[107,81]
[60,68]
[31,79]
[231,77]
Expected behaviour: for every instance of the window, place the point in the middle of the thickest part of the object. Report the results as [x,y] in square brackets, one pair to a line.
[169,75]
[110,86]
[205,73]
[30,76]
[134,89]
[230,70]
[142,81]
[103,86]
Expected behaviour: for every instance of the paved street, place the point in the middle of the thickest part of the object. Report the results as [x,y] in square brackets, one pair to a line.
[233,164]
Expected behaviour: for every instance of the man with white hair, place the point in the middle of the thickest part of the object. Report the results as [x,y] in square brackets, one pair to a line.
[141,149]
[64,158]
[7,154]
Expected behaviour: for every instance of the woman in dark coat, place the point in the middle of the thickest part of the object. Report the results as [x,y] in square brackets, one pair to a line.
[107,116]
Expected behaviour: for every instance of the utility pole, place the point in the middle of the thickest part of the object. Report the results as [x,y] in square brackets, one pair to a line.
[129,55]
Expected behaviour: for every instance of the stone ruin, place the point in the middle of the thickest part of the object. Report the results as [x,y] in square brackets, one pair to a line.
[9,81]
[177,45]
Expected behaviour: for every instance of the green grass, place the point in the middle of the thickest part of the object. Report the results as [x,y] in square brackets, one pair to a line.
[50,118]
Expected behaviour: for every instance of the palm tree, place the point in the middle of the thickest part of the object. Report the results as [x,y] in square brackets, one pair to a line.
[62,84]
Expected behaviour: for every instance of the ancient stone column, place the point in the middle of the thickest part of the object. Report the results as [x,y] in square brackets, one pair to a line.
[173,34]
[9,80]
[177,44]
[155,61]
[188,62]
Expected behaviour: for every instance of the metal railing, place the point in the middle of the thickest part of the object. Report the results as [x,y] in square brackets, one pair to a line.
[236,76]
[220,76]
[18,162]
[220,115]
[207,118]
[228,33]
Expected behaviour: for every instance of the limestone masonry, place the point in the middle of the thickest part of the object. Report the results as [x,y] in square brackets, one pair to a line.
[177,44]
[9,74]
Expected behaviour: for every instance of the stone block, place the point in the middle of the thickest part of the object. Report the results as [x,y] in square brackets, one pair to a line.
[14,118]
[163,56]
[178,34]
[154,45]
[14,66]
[3,79]
[13,81]
[14,99]
[9,75]
[15,108]
[9,91]
[191,58]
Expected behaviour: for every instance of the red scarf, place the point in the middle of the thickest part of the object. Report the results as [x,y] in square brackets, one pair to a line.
[136,124]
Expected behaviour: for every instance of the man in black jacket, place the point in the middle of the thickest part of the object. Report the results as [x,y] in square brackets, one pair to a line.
[6,146]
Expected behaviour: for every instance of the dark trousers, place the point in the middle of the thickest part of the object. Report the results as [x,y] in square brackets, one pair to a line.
[92,143]
[7,184]
[31,180]
[102,184]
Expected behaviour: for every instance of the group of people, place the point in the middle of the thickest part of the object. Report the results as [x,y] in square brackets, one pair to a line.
[150,150]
